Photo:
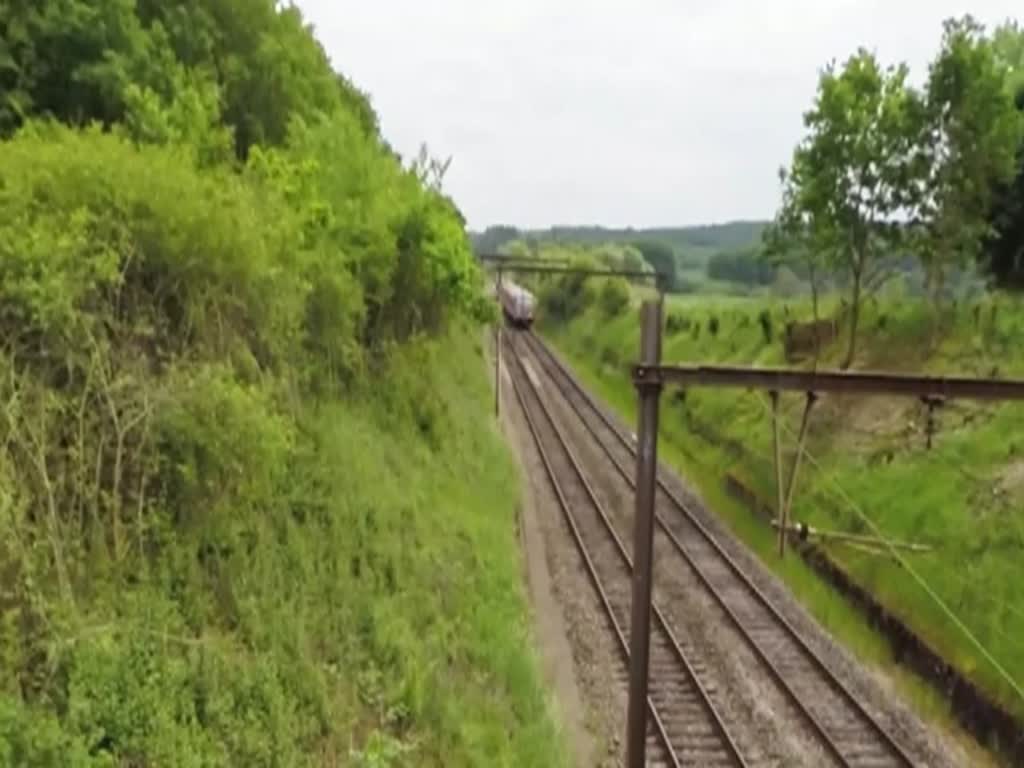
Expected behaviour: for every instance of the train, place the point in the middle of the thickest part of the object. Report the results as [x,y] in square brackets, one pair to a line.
[517,304]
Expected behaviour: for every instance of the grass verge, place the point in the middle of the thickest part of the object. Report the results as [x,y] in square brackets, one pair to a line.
[368,609]
[596,353]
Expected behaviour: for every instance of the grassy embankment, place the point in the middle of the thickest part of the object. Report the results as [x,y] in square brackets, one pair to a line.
[253,507]
[375,616]
[960,497]
[232,535]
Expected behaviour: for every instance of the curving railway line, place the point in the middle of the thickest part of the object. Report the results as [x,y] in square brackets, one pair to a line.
[843,726]
[684,727]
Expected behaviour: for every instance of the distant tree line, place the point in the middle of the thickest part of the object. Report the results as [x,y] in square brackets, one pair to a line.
[742,265]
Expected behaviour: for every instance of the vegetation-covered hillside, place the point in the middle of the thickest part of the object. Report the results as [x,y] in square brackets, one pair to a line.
[236,522]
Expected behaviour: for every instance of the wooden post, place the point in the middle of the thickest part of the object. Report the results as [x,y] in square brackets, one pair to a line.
[811,397]
[779,489]
[643,538]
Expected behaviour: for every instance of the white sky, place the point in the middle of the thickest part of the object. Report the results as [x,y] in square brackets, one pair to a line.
[650,112]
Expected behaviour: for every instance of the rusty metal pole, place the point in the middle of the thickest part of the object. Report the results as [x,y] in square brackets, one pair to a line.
[778,472]
[648,394]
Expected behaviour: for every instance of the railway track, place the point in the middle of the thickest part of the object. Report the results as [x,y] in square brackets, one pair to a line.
[684,727]
[840,722]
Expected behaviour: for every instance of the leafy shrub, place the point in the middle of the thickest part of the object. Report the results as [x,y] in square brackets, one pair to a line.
[213,510]
[567,296]
[614,297]
[677,323]
[765,319]
[165,254]
[610,355]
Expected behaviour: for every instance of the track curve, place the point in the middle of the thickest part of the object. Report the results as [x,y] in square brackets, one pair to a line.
[844,727]
[685,728]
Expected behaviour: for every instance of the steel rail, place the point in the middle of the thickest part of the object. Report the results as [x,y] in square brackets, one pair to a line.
[718,725]
[734,567]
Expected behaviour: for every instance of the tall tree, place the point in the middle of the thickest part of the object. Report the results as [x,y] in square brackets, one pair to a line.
[791,240]
[252,64]
[1008,47]
[662,258]
[1004,248]
[968,145]
[851,174]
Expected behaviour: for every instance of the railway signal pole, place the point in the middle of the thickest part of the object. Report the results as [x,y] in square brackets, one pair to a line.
[643,538]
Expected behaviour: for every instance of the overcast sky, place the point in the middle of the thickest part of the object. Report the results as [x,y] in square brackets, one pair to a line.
[650,112]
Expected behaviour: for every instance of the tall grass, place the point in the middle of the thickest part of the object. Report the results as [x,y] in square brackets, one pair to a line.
[368,610]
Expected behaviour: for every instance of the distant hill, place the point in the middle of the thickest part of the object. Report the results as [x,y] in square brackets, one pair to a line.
[703,239]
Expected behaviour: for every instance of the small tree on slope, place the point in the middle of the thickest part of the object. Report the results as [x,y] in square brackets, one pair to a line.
[852,174]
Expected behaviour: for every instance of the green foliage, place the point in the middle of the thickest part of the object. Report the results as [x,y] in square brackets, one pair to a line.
[566,296]
[960,498]
[764,318]
[677,323]
[493,239]
[685,285]
[691,247]
[614,296]
[662,260]
[740,266]
[1008,47]
[1003,254]
[798,242]
[172,70]
[225,542]
[733,234]
[139,219]
[851,175]
[972,132]
[886,167]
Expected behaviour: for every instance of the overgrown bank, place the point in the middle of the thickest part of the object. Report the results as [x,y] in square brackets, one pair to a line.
[345,595]
[253,508]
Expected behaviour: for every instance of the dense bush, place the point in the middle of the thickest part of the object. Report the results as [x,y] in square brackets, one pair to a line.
[764,317]
[662,259]
[677,322]
[203,280]
[567,296]
[614,296]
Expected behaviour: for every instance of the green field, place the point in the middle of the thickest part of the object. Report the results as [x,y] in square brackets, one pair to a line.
[869,461]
